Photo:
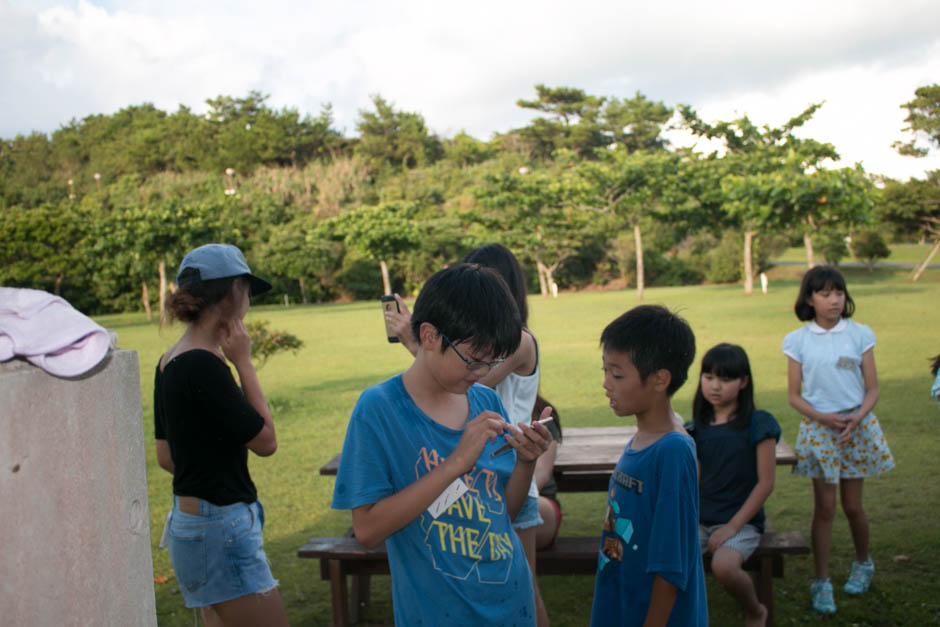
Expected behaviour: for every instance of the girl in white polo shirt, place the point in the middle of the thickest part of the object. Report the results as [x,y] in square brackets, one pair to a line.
[840,441]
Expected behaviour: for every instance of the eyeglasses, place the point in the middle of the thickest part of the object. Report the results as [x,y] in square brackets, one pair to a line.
[473,365]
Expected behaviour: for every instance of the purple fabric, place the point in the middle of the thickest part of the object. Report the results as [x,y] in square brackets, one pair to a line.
[49,332]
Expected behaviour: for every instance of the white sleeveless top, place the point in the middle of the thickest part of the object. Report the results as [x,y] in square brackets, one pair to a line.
[518,392]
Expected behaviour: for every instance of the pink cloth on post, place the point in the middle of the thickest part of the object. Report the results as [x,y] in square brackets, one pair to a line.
[49,332]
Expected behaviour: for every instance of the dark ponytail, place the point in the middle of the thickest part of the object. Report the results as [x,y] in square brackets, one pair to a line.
[188,302]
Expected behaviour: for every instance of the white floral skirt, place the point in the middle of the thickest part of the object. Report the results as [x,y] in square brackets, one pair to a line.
[865,454]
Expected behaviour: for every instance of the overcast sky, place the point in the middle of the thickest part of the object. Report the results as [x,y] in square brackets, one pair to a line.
[463,65]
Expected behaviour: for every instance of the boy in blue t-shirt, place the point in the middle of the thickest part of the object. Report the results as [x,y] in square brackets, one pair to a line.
[418,471]
[649,569]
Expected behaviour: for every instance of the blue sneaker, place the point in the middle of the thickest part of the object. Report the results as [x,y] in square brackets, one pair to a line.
[860,577]
[821,589]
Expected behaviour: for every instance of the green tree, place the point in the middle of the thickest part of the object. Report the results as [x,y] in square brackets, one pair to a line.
[380,232]
[466,150]
[29,172]
[38,246]
[292,253]
[630,186]
[532,214]
[573,122]
[913,208]
[775,180]
[923,119]
[636,123]
[396,138]
[145,228]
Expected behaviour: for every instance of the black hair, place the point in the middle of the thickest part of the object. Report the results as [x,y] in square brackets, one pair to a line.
[539,407]
[935,366]
[193,297]
[470,303]
[655,339]
[816,280]
[501,259]
[728,361]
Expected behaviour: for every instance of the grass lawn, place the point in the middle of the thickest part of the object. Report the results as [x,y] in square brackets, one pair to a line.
[312,393]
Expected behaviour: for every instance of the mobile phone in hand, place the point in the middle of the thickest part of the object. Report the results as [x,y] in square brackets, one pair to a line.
[389,304]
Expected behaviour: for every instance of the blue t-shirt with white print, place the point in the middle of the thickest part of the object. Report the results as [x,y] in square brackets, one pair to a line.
[465,566]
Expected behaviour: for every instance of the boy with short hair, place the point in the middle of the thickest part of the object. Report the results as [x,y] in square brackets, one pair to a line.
[417,467]
[650,567]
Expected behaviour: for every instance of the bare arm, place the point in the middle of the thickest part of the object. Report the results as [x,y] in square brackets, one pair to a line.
[797,402]
[766,470]
[662,598]
[163,456]
[870,379]
[375,522]
[545,466]
[522,362]
[237,349]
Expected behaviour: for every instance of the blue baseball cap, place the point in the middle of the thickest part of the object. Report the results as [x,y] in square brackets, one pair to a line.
[219,261]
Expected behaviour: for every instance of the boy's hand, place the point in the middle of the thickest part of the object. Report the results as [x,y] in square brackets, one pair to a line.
[482,429]
[531,440]
[236,344]
[721,535]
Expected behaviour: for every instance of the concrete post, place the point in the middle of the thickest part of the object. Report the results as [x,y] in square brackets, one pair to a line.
[74,519]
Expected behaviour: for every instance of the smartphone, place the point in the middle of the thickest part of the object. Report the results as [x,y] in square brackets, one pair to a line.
[389,304]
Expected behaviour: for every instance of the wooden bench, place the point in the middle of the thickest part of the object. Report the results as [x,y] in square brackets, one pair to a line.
[344,556]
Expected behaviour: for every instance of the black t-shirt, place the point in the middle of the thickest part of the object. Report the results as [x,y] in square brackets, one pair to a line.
[203,415]
[728,458]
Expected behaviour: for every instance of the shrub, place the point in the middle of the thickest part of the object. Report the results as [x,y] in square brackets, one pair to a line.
[833,247]
[868,247]
[266,343]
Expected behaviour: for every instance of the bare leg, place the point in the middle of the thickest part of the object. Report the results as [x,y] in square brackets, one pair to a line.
[726,566]
[850,490]
[528,544]
[545,532]
[210,617]
[254,609]
[824,510]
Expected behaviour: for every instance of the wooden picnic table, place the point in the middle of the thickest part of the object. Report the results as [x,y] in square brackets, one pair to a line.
[588,455]
[586,458]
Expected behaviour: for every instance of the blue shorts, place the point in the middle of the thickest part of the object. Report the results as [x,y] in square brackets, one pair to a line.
[217,555]
[529,514]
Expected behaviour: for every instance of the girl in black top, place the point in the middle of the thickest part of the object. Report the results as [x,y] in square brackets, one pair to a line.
[204,427]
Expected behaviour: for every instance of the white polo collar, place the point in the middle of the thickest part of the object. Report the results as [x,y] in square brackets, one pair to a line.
[815,328]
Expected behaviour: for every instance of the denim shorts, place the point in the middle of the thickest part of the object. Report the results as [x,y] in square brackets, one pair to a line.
[745,541]
[529,514]
[217,555]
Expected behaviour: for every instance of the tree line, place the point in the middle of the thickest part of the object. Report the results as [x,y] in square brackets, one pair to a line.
[589,192]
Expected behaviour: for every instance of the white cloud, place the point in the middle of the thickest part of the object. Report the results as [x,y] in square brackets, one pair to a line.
[463,66]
